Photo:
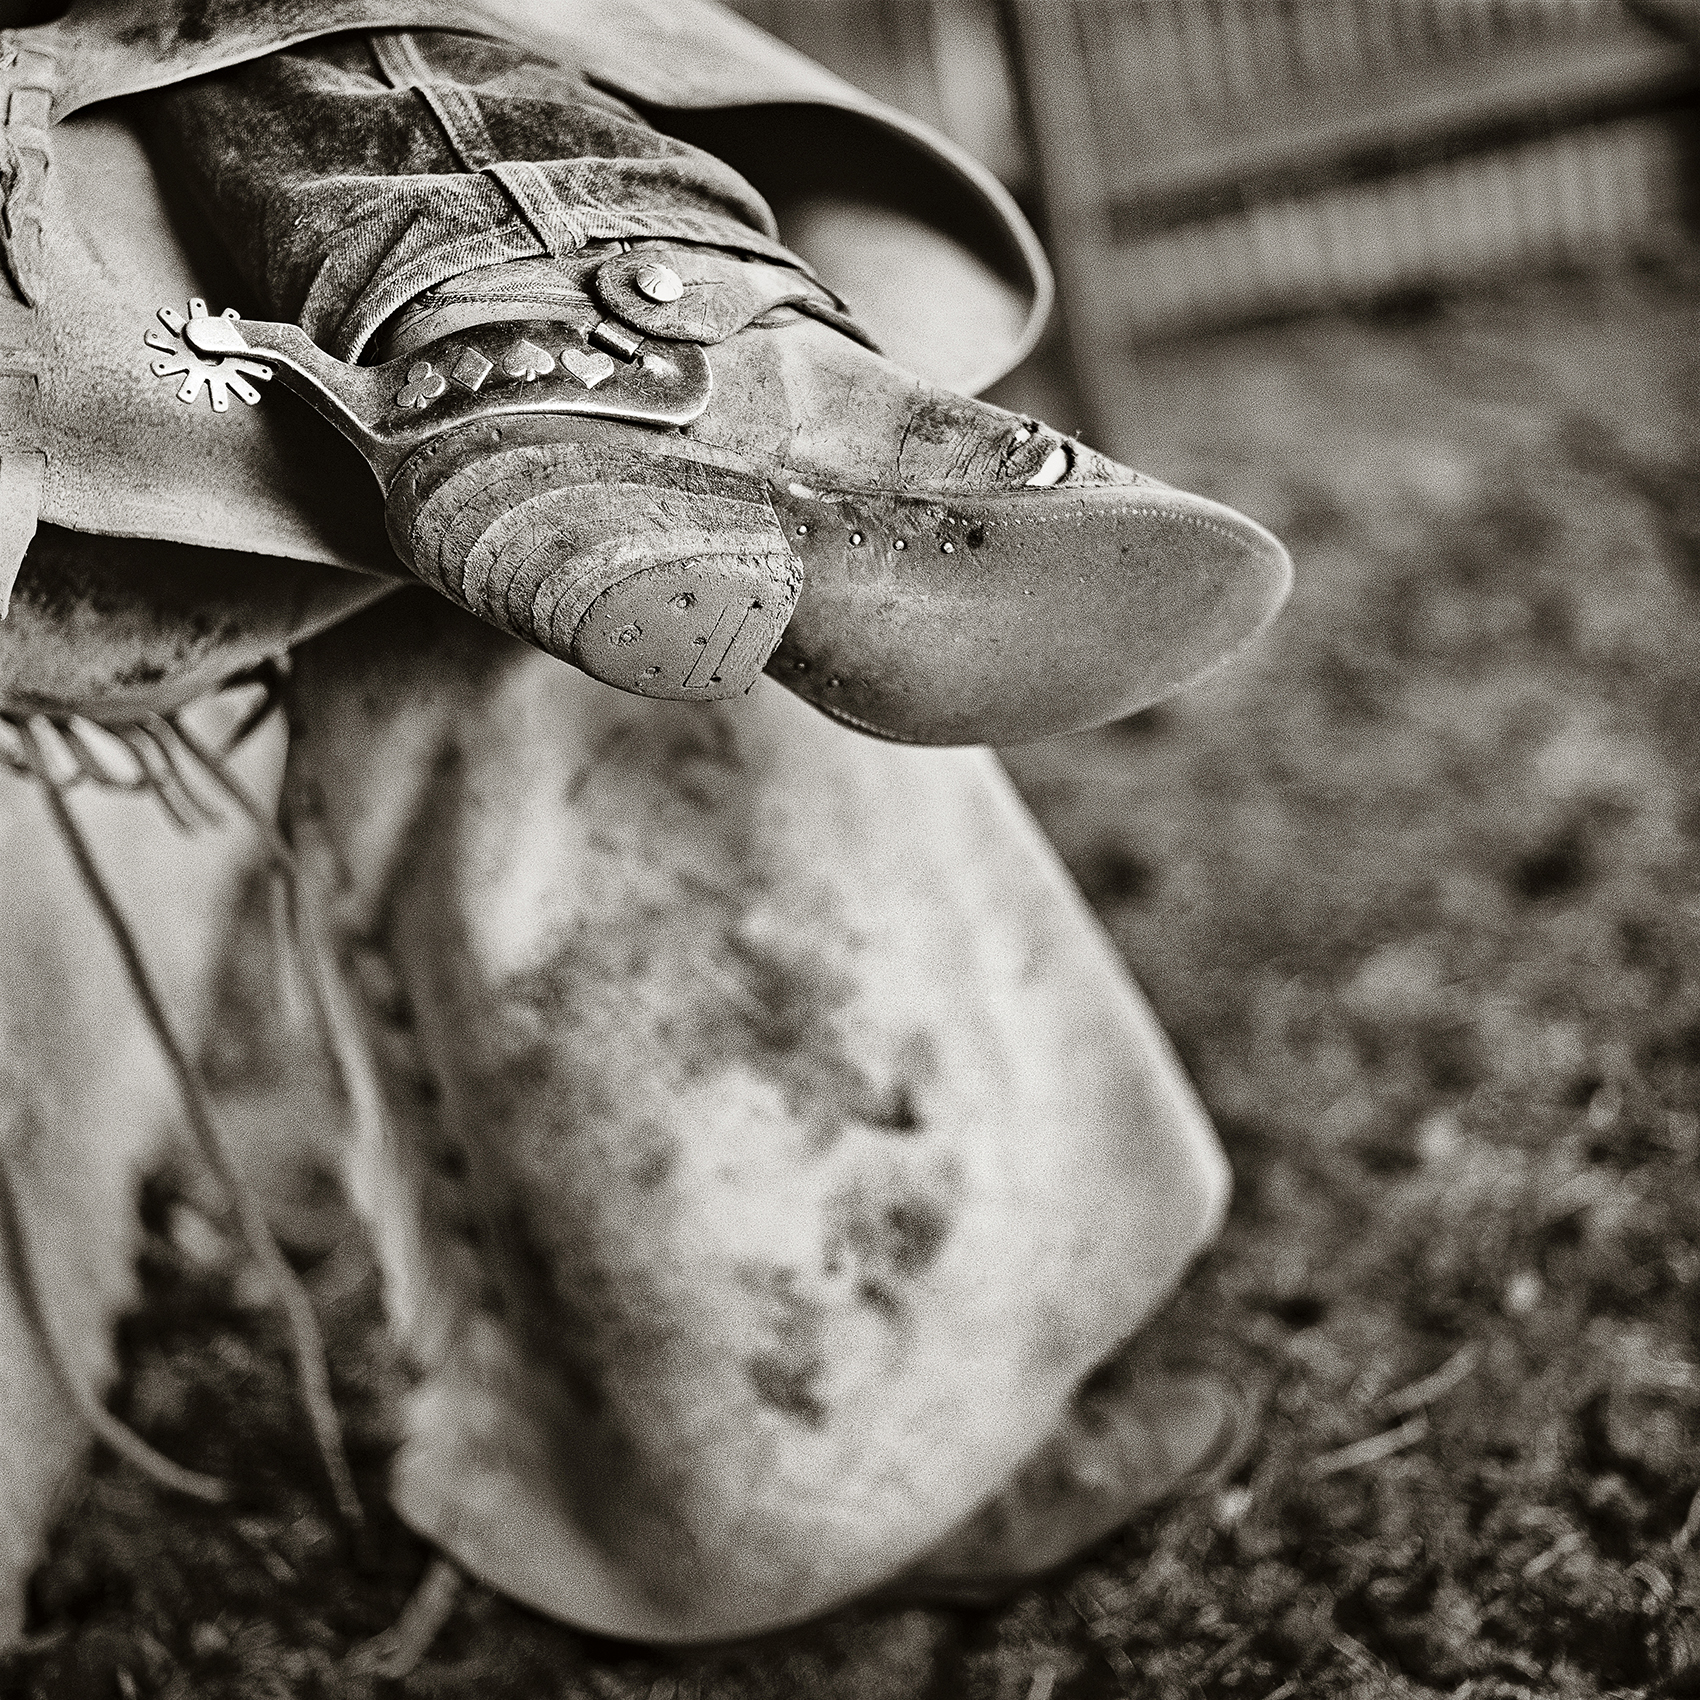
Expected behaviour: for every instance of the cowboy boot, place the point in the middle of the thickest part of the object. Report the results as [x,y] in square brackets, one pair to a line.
[1128,1442]
[674,467]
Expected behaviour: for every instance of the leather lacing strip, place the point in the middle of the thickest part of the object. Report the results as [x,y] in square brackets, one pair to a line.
[27,75]
[167,759]
[30,76]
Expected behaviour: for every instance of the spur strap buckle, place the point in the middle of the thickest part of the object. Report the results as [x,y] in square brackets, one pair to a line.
[602,370]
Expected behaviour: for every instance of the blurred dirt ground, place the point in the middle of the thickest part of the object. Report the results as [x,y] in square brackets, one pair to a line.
[1415,887]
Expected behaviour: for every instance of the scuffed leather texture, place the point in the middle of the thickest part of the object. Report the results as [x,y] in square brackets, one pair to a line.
[1004,616]
[125,458]
[656,573]
[593,900]
[721,295]
[669,55]
[118,629]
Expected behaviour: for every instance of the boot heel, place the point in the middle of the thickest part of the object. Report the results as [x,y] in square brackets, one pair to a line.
[653,573]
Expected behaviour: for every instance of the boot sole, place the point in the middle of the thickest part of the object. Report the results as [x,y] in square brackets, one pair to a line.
[667,568]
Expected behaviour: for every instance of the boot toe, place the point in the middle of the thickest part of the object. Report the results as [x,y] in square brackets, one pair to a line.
[951,573]
[1119,1453]
[1009,615]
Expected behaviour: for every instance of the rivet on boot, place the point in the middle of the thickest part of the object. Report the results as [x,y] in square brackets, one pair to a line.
[658,283]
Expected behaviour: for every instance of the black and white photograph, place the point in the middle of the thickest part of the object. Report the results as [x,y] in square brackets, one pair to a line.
[849,849]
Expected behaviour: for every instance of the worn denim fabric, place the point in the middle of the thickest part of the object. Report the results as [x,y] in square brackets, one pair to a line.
[350,174]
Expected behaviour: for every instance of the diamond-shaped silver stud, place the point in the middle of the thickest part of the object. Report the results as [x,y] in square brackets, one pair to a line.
[471,369]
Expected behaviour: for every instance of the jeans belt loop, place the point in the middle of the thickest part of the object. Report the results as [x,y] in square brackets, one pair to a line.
[455,107]
[27,91]
[552,221]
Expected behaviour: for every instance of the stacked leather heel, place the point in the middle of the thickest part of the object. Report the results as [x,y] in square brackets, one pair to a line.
[655,572]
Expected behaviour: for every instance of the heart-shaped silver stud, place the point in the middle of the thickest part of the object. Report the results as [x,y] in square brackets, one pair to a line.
[590,369]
